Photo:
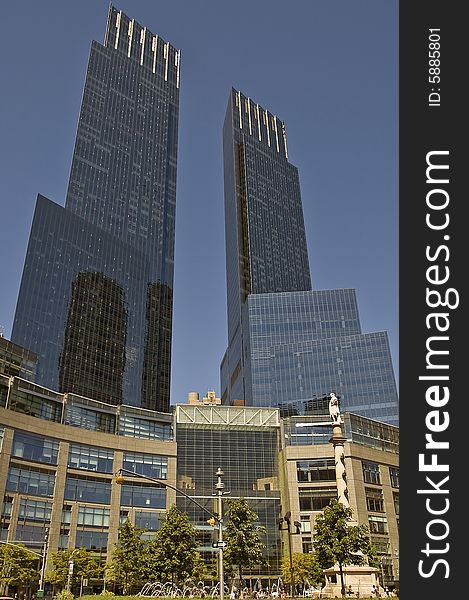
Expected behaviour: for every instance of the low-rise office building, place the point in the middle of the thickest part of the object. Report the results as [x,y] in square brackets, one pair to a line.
[59,454]
[308,480]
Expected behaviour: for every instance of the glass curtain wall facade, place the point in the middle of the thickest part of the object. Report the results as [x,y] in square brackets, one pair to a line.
[265,236]
[245,445]
[286,343]
[303,345]
[95,300]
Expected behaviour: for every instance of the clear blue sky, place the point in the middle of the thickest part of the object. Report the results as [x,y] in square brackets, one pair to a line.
[328,68]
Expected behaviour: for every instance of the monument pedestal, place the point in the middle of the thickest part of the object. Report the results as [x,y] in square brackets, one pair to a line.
[360,579]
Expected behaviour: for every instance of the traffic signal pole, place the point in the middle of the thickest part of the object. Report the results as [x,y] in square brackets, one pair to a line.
[219,488]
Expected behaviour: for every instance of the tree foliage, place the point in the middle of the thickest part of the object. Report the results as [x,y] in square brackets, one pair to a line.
[174,546]
[64,595]
[306,569]
[128,559]
[170,556]
[84,565]
[243,536]
[17,566]
[336,541]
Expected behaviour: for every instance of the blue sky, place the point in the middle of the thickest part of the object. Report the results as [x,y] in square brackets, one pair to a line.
[328,68]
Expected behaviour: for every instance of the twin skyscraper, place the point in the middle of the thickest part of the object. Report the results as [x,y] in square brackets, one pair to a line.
[96,296]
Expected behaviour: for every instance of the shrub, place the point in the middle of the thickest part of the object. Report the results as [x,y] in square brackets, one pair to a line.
[64,595]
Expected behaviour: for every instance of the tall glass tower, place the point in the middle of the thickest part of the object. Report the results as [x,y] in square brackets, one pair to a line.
[266,248]
[95,300]
[288,346]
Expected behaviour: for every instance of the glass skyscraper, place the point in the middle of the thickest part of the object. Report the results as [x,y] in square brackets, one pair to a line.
[287,344]
[265,235]
[95,301]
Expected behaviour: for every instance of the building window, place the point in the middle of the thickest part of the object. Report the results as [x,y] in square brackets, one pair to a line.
[371,472]
[4,532]
[29,404]
[151,521]
[3,398]
[307,545]
[6,509]
[377,524]
[144,429]
[395,496]
[316,498]
[316,470]
[87,490]
[90,458]
[143,495]
[35,448]
[374,499]
[305,524]
[86,418]
[146,464]
[93,516]
[92,540]
[394,475]
[29,481]
[33,535]
[66,514]
[35,510]
[381,544]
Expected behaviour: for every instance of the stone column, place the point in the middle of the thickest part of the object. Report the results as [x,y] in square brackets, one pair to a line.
[337,440]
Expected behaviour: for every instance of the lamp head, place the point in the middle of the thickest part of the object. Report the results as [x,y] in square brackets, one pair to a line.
[120,479]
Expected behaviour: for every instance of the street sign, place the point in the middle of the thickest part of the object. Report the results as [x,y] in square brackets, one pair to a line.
[219,544]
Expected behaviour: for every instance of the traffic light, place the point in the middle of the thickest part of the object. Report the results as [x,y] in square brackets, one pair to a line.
[211,521]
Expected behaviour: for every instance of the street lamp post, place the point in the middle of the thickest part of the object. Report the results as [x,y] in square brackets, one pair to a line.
[297,524]
[71,566]
[219,487]
[43,561]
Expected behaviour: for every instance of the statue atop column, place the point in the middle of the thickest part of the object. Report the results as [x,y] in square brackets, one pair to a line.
[334,410]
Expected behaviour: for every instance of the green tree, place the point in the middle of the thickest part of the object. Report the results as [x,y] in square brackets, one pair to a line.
[306,568]
[243,536]
[173,549]
[17,566]
[84,565]
[127,566]
[336,541]
[199,571]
